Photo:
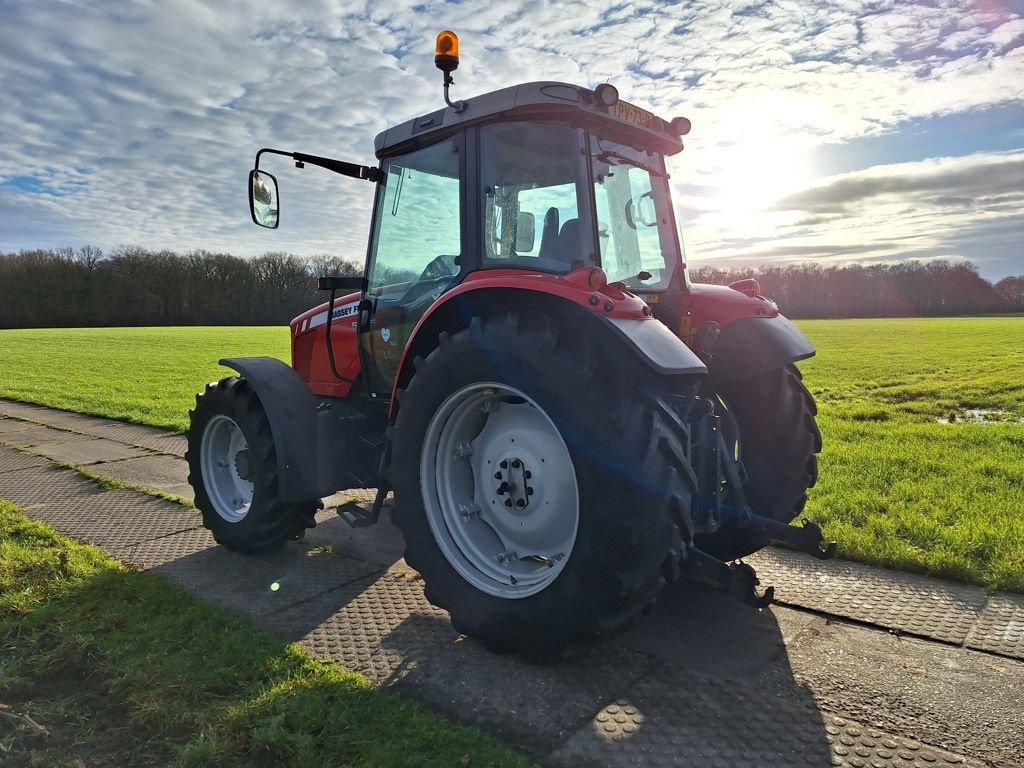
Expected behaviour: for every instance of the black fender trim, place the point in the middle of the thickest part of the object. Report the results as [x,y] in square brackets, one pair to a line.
[657,345]
[753,345]
[291,411]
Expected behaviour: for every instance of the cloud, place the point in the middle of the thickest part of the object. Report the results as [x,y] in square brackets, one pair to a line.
[981,179]
[957,208]
[138,123]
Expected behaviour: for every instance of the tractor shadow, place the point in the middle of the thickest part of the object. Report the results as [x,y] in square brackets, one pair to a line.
[702,677]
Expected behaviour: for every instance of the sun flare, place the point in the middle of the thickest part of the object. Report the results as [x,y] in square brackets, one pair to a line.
[756,174]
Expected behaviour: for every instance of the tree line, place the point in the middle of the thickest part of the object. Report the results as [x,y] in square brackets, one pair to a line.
[904,289]
[131,285]
[68,287]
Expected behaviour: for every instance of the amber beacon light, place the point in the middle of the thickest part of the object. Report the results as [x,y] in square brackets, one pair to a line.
[446,51]
[446,58]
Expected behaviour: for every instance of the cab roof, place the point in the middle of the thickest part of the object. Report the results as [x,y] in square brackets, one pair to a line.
[539,100]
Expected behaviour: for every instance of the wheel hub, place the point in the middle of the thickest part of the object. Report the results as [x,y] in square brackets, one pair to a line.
[514,487]
[499,490]
[243,465]
[227,469]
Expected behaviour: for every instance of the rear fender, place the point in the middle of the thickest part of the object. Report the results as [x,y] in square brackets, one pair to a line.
[583,310]
[291,411]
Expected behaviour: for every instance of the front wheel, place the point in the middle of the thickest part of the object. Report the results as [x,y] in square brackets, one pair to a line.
[540,487]
[778,444]
[233,471]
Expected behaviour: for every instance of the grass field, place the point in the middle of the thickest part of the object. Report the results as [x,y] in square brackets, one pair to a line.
[897,486]
[144,375]
[120,668]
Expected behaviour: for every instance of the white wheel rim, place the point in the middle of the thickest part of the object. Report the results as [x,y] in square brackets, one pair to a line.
[499,490]
[224,457]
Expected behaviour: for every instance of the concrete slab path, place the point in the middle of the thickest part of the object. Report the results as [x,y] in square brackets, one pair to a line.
[856,666]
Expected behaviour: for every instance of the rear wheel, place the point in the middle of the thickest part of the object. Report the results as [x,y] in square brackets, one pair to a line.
[540,488]
[233,471]
[778,444]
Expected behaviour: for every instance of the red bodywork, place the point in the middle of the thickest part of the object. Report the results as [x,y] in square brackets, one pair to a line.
[699,304]
[720,304]
[309,346]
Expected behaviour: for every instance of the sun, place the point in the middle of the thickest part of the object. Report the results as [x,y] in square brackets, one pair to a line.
[756,174]
[761,151]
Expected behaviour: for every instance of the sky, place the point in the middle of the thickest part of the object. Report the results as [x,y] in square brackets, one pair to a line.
[829,132]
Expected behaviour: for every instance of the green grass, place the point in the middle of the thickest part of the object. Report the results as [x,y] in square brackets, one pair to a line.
[897,488]
[142,375]
[124,669]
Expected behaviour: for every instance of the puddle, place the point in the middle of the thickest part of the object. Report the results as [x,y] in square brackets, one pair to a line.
[979,416]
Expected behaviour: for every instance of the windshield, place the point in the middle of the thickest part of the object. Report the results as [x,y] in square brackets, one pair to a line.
[633,215]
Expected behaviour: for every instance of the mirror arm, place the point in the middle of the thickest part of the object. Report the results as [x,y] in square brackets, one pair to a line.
[338,166]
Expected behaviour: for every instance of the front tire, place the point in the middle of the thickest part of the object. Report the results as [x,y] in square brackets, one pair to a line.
[779,443]
[233,471]
[588,454]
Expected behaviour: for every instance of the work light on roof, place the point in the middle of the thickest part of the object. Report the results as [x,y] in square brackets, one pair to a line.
[607,95]
[681,125]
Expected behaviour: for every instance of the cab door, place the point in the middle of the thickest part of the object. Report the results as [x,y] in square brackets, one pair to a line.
[415,252]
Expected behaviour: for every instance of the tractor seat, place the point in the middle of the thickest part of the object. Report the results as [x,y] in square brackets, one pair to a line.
[569,247]
[549,235]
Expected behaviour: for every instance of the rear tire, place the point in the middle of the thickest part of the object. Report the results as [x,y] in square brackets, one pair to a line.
[779,442]
[620,492]
[233,471]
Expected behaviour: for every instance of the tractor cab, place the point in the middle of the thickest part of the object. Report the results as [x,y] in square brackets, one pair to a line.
[545,178]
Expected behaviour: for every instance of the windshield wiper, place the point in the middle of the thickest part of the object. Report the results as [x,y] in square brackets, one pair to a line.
[604,157]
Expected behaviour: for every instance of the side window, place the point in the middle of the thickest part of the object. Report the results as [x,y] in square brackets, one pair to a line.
[419,219]
[533,184]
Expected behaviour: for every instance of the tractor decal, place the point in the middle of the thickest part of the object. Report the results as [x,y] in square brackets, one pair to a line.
[346,310]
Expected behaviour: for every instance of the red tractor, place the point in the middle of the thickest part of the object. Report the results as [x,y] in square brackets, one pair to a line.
[566,421]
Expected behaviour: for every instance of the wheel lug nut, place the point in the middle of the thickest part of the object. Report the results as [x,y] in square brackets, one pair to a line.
[504,464]
[529,491]
[508,502]
[497,475]
[516,464]
[527,474]
[521,503]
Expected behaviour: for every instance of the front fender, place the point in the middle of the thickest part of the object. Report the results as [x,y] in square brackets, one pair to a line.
[291,411]
[754,345]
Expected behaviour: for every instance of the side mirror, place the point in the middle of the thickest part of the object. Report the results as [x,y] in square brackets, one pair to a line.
[263,199]
[642,211]
[525,232]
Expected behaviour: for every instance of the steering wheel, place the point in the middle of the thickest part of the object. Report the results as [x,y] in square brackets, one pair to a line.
[435,272]
[437,268]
